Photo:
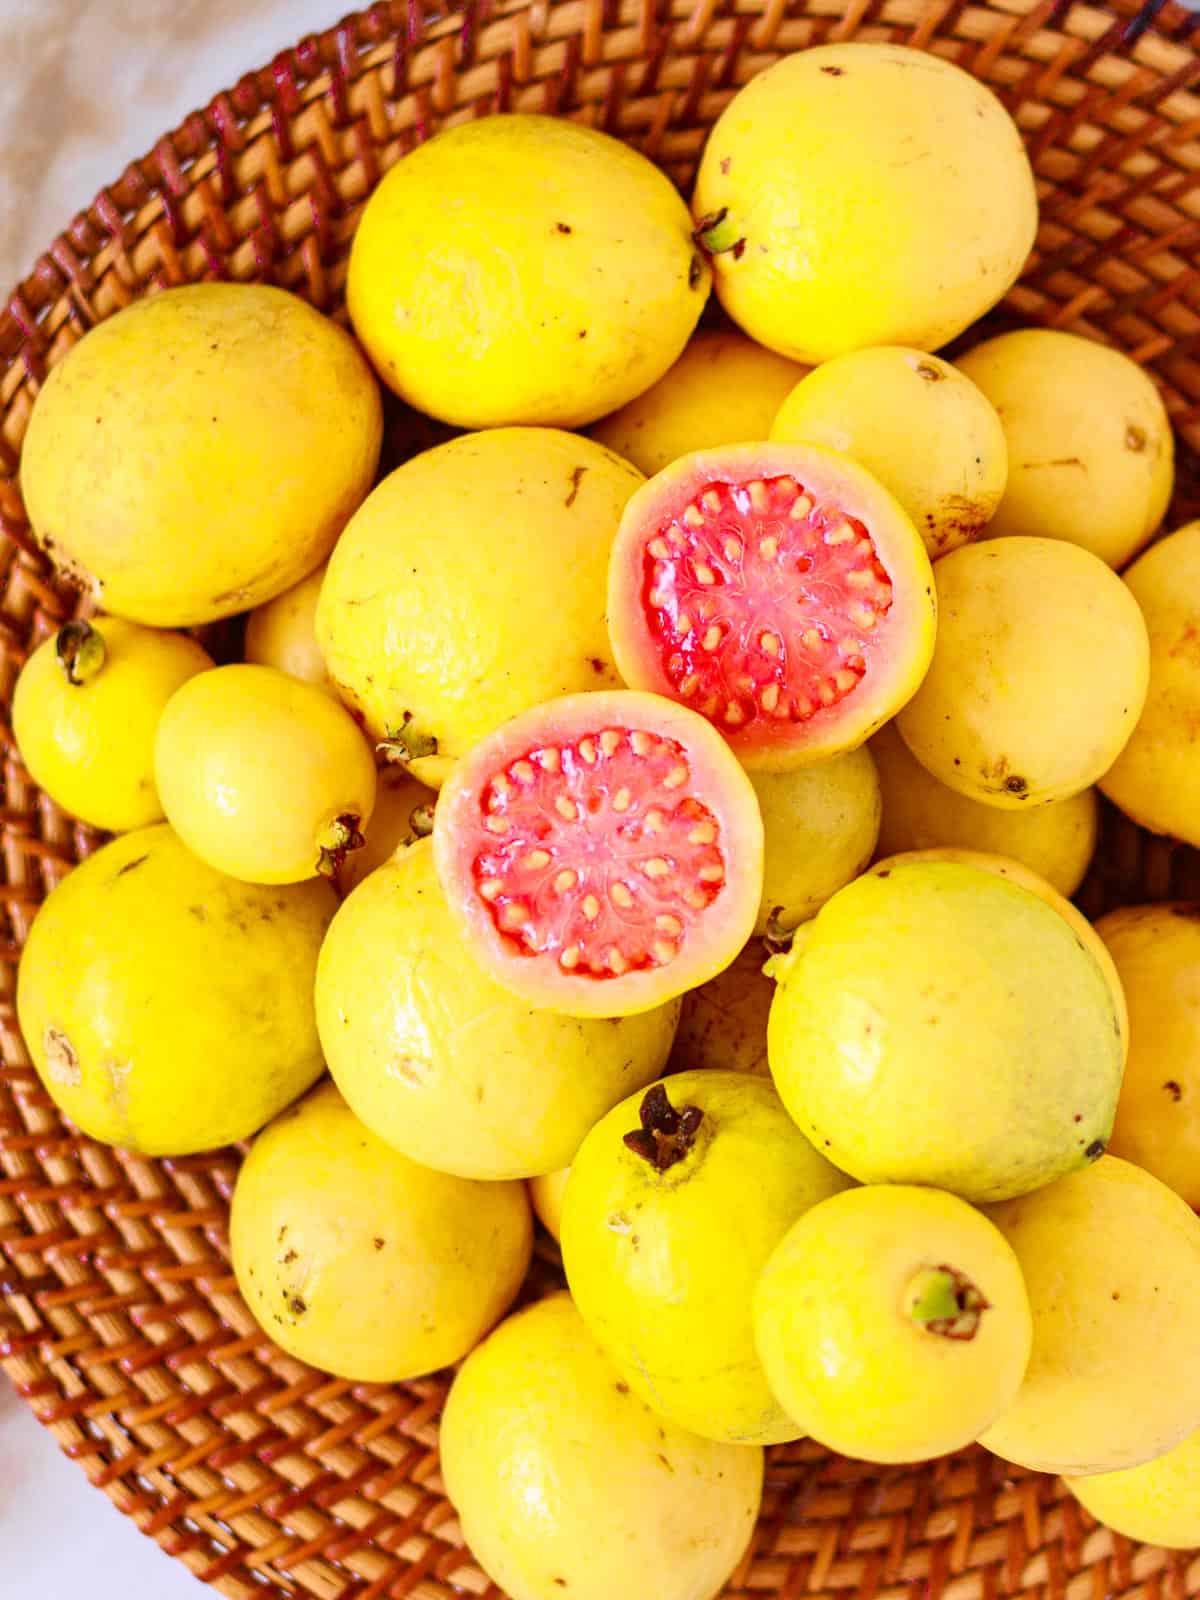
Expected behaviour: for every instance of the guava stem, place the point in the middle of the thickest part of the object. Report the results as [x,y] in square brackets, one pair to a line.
[778,936]
[944,1301]
[405,743]
[421,821]
[81,651]
[717,233]
[336,840]
[666,1135]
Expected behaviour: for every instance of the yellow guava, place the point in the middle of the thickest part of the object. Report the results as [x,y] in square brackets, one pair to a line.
[922,428]
[1156,950]
[1156,778]
[167,1007]
[893,1321]
[1111,1259]
[85,710]
[264,776]
[1056,840]
[944,1025]
[471,585]
[862,194]
[446,1065]
[1039,673]
[1090,449]
[360,1262]
[200,451]
[524,269]
[546,1195]
[566,1483]
[724,389]
[282,632]
[820,825]
[723,1023]
[1157,1503]
[675,1202]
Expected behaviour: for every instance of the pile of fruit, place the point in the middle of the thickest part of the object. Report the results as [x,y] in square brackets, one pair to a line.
[668,827]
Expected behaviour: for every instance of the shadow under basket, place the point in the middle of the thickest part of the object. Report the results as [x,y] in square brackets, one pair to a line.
[120,1323]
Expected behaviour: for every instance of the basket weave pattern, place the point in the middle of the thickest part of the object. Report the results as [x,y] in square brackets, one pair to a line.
[120,1322]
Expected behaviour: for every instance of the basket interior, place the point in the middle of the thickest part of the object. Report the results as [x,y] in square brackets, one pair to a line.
[119,1319]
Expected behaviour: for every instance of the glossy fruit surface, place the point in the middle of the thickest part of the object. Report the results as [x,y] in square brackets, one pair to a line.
[282,633]
[567,1483]
[265,777]
[167,1007]
[675,1202]
[154,473]
[445,1064]
[85,711]
[601,853]
[800,184]
[1111,1259]
[1091,452]
[1039,675]
[471,586]
[1157,1503]
[362,1263]
[894,1321]
[723,1023]
[1156,950]
[820,824]
[1056,840]
[1156,778]
[915,422]
[777,589]
[524,269]
[724,389]
[907,974]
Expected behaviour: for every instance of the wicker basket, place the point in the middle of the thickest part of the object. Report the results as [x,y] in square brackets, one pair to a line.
[119,1320]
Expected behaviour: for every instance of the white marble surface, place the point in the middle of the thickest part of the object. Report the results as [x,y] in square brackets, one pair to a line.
[86,86]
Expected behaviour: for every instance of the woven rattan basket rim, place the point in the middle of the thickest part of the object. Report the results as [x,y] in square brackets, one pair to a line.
[119,1319]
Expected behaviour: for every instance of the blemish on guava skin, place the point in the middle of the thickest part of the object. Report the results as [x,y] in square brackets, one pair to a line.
[62,1059]
[377,1243]
[595,663]
[695,271]
[926,370]
[1095,1150]
[288,1257]
[130,866]
[297,1306]
[834,72]
[563,227]
[726,163]
[576,479]
[622,1388]
[1135,439]
[1173,1089]
[1016,785]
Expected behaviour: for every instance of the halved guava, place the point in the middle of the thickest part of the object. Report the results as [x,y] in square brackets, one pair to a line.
[602,853]
[777,589]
